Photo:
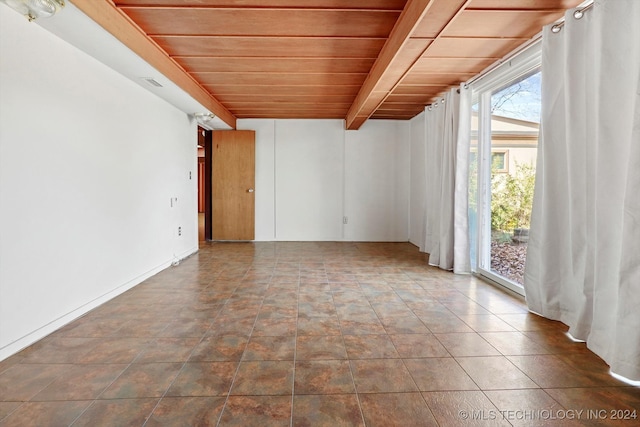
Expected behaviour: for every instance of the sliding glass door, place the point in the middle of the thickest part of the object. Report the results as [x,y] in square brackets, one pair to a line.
[505,126]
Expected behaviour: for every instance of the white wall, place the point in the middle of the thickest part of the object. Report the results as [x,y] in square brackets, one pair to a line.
[309,179]
[418,195]
[377,181]
[312,173]
[89,162]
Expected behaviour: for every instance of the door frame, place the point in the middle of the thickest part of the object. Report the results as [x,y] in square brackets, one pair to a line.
[519,65]
[208,173]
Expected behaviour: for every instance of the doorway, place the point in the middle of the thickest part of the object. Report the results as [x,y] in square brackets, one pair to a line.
[204,184]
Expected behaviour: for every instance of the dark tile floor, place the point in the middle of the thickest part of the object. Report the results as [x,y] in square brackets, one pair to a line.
[311,334]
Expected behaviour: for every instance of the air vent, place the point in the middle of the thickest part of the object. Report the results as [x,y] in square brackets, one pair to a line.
[151,81]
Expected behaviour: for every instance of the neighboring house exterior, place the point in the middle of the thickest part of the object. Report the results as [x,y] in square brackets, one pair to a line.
[512,141]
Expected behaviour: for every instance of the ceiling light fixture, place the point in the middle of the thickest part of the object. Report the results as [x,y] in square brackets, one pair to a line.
[204,117]
[34,9]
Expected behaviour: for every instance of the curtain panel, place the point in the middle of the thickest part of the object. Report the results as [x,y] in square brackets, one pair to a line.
[583,260]
[448,124]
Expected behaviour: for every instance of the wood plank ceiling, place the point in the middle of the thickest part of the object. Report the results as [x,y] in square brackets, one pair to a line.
[348,59]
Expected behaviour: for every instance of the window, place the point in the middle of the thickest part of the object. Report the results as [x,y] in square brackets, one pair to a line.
[499,161]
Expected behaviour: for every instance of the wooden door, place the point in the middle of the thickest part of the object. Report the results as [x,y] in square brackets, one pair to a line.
[233,185]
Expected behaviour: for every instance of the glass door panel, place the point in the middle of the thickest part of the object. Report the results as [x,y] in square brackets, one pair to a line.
[511,117]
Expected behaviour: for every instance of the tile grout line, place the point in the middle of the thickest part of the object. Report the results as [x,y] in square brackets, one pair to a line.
[235,375]
[190,354]
[242,298]
[420,392]
[353,379]
[295,350]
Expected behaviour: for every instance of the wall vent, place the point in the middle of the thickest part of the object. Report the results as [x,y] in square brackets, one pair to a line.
[151,81]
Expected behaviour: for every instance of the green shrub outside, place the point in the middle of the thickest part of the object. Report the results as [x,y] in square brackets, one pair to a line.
[512,198]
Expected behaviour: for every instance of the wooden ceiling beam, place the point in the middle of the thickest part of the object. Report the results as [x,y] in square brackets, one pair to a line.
[408,20]
[120,26]
[447,11]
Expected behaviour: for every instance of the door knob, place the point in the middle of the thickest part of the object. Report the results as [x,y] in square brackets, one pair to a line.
[250,190]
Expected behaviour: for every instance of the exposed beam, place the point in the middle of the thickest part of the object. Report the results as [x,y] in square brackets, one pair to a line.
[410,17]
[107,15]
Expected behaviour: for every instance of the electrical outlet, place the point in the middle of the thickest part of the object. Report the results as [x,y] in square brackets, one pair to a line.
[345,220]
[179,231]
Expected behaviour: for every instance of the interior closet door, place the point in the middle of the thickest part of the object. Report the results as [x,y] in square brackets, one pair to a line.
[233,185]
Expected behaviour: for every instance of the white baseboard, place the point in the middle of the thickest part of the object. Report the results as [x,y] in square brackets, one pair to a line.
[25,341]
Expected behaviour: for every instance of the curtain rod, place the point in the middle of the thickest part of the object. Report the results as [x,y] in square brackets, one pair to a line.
[579,12]
[507,58]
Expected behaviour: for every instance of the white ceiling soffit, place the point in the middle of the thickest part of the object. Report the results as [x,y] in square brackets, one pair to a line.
[73,26]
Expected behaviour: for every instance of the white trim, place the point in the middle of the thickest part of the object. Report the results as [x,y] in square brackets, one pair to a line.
[483,198]
[517,66]
[499,280]
[275,182]
[36,335]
